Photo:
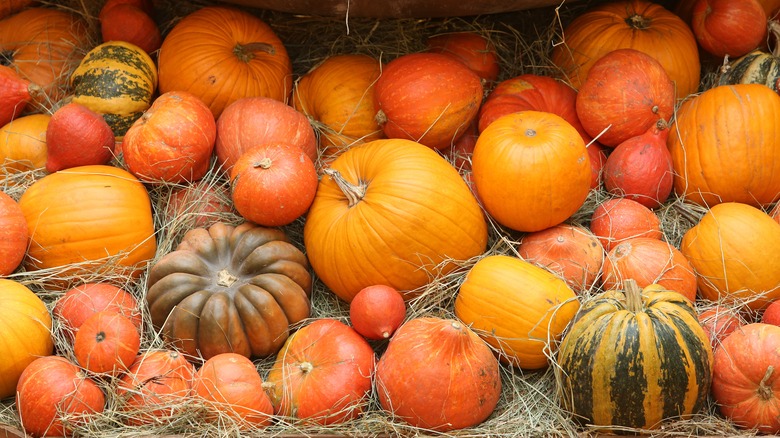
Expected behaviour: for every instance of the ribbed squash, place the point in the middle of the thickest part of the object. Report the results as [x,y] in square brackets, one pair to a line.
[756,67]
[634,358]
[117,80]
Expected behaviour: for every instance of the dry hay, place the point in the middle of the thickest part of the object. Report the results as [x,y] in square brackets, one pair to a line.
[529,404]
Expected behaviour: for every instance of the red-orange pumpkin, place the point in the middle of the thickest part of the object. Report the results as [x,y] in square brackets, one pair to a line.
[377,311]
[471,48]
[726,27]
[76,305]
[13,235]
[323,374]
[438,374]
[107,342]
[54,395]
[77,136]
[15,94]
[231,387]
[173,141]
[222,54]
[636,24]
[199,205]
[129,23]
[719,321]
[531,170]
[253,121]
[618,219]
[427,97]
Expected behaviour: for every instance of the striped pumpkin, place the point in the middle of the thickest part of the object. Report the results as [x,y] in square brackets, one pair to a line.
[756,67]
[633,358]
[117,80]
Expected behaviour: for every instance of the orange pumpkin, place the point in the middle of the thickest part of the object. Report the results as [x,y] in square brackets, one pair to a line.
[23,144]
[15,94]
[517,307]
[618,219]
[126,22]
[531,170]
[729,250]
[471,48]
[719,321]
[338,95]
[76,305]
[635,24]
[119,233]
[729,28]
[724,143]
[391,212]
[13,235]
[107,342]
[221,54]
[45,45]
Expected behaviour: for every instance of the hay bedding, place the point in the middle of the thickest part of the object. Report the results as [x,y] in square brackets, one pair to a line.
[528,404]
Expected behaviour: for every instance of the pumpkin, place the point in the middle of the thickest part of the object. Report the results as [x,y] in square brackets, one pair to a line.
[119,237]
[323,374]
[649,261]
[173,141]
[157,382]
[719,321]
[517,307]
[229,289]
[273,184]
[391,212]
[107,343]
[427,97]
[729,249]
[23,144]
[221,54]
[77,136]
[684,8]
[634,358]
[27,324]
[338,96]
[545,172]
[757,67]
[771,314]
[438,374]
[252,121]
[44,45]
[741,122]
[198,205]
[230,385]
[618,219]
[118,80]
[54,396]
[630,24]
[129,23]
[570,251]
[15,94]
[377,311]
[471,48]
[144,5]
[79,303]
[727,28]
[8,7]
[13,235]
[744,382]
[625,94]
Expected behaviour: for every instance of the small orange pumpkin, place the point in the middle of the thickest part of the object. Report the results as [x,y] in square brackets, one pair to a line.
[23,144]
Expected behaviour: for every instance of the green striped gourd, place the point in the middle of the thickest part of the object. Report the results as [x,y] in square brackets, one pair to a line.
[633,358]
[117,80]
[757,67]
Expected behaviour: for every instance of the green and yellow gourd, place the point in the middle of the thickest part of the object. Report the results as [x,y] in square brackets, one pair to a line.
[757,67]
[117,80]
[634,358]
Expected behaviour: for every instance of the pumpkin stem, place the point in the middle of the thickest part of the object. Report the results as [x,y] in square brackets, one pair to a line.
[100,337]
[638,22]
[765,390]
[225,278]
[306,367]
[633,295]
[265,163]
[246,52]
[354,193]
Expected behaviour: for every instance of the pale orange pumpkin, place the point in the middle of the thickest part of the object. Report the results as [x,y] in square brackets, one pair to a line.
[531,170]
[23,144]
[730,251]
[338,95]
[118,238]
[635,24]
[724,143]
[390,212]
[222,54]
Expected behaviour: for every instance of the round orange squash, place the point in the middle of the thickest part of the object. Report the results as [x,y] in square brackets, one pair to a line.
[531,169]
[221,54]
[633,24]
[391,212]
[724,144]
[23,144]
[89,220]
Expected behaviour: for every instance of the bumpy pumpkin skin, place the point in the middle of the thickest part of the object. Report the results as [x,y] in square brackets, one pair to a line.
[230,289]
[634,362]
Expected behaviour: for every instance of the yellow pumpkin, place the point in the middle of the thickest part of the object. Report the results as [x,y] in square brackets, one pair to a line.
[89,220]
[23,144]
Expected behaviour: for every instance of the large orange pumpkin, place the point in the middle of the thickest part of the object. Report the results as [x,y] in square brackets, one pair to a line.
[391,212]
[517,307]
[89,220]
[531,169]
[45,45]
[724,145]
[339,96]
[634,24]
[731,250]
[221,54]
